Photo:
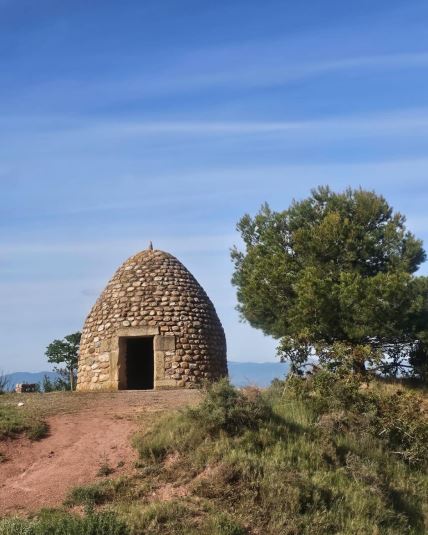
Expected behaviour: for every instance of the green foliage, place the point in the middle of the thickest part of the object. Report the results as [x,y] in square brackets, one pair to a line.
[334,273]
[398,419]
[323,455]
[225,409]
[51,522]
[65,352]
[14,421]
[57,385]
[90,495]
[4,383]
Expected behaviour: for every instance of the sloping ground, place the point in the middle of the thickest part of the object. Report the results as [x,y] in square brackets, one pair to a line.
[94,432]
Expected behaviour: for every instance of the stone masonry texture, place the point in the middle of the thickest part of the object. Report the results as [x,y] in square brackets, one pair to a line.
[152,294]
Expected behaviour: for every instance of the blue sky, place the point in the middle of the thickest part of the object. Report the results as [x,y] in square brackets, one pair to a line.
[124,122]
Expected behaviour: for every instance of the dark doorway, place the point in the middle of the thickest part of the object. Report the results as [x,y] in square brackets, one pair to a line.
[139,363]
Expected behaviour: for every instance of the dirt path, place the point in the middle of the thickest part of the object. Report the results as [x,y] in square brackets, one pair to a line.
[39,474]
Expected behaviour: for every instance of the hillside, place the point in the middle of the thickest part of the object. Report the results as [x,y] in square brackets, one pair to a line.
[313,457]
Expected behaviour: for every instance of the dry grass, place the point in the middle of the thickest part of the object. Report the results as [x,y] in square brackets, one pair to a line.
[51,403]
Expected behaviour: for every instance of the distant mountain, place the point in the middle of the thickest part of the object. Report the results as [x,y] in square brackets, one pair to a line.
[28,377]
[256,373]
[240,373]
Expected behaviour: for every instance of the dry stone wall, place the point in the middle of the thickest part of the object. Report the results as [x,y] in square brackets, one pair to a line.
[153,294]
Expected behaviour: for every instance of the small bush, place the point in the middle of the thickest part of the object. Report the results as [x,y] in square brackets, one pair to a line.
[105,469]
[225,409]
[399,420]
[90,495]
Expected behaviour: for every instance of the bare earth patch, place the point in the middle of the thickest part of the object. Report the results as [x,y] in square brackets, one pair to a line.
[96,429]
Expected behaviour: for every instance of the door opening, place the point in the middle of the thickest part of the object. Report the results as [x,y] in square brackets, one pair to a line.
[139,363]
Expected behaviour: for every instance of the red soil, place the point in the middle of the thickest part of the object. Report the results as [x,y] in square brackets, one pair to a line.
[39,474]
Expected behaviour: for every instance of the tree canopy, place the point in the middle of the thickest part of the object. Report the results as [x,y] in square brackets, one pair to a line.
[334,275]
[65,352]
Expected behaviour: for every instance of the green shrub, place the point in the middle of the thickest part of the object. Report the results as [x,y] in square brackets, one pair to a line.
[105,469]
[225,409]
[90,495]
[396,418]
[327,391]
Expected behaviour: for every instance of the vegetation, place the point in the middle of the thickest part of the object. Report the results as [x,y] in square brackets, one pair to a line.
[105,469]
[310,456]
[55,385]
[320,455]
[37,404]
[59,523]
[334,275]
[4,383]
[64,352]
[91,495]
[14,421]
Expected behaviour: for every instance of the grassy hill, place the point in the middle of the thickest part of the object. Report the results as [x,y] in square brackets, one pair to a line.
[326,455]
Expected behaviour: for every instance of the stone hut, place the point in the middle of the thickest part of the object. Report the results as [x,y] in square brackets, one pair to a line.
[152,327]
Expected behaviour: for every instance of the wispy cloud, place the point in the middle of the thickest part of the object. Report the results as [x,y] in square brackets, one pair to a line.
[257,65]
[366,123]
[403,121]
[263,72]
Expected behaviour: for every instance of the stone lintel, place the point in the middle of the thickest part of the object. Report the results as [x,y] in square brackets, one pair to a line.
[138,331]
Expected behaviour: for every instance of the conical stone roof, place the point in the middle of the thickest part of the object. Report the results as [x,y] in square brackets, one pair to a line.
[153,294]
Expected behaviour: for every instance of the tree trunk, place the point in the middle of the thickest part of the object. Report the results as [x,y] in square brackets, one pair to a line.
[71,379]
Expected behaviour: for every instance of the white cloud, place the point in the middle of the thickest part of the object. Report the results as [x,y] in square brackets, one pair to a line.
[403,122]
